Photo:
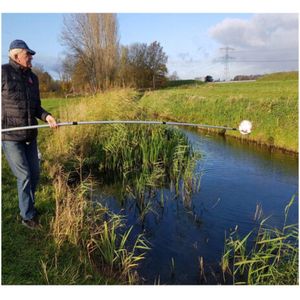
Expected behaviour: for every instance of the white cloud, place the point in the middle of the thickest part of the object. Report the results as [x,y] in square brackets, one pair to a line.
[259,31]
[265,43]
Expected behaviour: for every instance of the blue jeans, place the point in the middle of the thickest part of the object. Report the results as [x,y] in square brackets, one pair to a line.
[23,160]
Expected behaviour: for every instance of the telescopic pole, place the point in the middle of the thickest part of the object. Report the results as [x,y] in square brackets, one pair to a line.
[118,122]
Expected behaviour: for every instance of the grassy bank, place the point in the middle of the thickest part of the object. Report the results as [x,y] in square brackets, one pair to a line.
[32,257]
[271,103]
[82,242]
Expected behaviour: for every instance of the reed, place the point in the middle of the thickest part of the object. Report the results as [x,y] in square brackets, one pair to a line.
[202,276]
[67,223]
[95,232]
[172,267]
[143,158]
[267,256]
[109,249]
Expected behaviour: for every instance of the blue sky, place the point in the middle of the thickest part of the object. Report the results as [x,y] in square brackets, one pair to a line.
[262,43]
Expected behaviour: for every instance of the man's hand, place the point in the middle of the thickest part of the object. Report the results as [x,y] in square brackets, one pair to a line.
[51,121]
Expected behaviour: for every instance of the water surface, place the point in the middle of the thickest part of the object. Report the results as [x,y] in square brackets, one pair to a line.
[236,177]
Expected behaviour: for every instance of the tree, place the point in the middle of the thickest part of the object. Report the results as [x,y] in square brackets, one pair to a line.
[156,61]
[92,42]
[142,66]
[46,82]
[65,79]
[127,72]
[137,64]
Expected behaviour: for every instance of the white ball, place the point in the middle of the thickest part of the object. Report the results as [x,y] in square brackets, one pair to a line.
[245,127]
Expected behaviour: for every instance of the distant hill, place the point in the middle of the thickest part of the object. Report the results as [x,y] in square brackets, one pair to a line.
[280,76]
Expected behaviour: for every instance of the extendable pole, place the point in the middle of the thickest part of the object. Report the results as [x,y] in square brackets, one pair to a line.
[129,122]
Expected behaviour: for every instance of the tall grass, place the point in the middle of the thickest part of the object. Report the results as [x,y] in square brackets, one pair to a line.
[269,256]
[97,233]
[70,207]
[109,248]
[142,158]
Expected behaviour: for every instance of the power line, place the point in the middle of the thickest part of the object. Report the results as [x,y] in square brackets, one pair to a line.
[266,50]
[268,60]
[226,59]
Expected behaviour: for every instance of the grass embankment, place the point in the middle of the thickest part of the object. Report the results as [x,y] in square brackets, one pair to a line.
[82,242]
[271,103]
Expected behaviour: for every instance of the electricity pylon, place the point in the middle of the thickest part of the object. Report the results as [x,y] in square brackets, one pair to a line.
[226,58]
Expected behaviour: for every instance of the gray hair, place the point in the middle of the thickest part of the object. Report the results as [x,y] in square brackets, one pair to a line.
[13,52]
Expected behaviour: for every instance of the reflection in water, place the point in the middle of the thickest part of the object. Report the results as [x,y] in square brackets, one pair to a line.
[237,180]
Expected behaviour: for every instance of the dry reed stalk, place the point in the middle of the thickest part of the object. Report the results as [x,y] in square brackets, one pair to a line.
[69,215]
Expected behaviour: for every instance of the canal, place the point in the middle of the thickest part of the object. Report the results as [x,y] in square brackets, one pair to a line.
[236,179]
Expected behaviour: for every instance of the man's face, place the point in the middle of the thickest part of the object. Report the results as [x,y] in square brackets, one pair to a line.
[24,59]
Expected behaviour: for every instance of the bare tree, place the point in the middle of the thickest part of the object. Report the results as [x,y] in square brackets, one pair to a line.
[143,66]
[156,61]
[92,42]
[137,63]
[125,74]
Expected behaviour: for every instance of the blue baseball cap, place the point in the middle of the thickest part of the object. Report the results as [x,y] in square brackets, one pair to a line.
[19,44]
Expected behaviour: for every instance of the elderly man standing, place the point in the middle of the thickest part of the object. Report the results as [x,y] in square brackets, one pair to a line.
[21,105]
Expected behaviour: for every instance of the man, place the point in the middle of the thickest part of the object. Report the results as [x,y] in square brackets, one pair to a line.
[21,105]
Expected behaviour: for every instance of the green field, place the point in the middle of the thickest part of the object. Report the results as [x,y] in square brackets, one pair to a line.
[270,103]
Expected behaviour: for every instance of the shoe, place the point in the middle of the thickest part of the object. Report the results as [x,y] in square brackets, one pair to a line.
[31,224]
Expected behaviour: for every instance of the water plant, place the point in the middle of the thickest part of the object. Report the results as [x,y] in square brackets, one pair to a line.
[97,232]
[201,270]
[142,158]
[109,248]
[267,256]
[172,268]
